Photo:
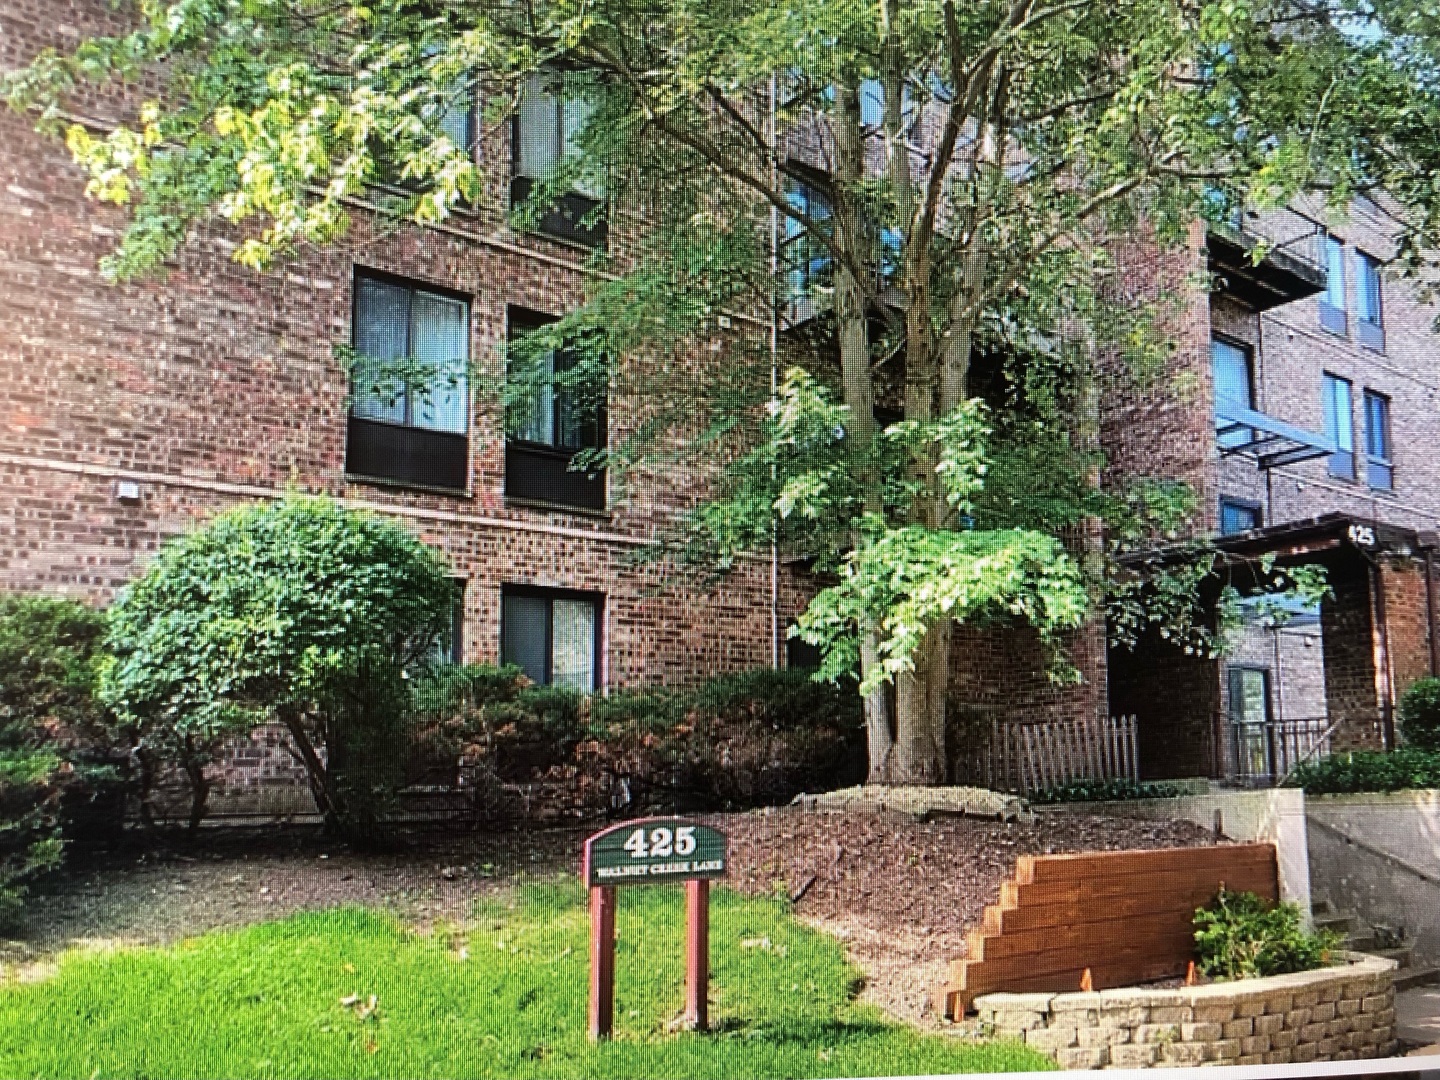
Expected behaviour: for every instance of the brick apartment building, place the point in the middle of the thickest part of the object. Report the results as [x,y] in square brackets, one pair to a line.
[128,413]
[1313,439]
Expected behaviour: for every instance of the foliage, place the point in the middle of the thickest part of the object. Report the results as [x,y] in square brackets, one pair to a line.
[1243,936]
[300,612]
[59,769]
[1117,789]
[1369,770]
[1044,130]
[1420,714]
[752,738]
[503,996]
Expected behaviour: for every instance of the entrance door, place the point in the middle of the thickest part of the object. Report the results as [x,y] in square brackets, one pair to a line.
[1249,722]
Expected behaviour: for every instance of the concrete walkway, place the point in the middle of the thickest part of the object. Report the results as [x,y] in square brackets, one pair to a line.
[1417,1017]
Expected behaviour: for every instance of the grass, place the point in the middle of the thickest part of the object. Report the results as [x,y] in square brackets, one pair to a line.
[503,996]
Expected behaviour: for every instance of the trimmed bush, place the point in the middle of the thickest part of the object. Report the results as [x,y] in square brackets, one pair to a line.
[1420,714]
[1119,789]
[1243,936]
[60,772]
[1369,771]
[754,738]
[301,612]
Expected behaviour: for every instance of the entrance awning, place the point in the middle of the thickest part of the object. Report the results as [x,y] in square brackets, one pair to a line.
[1269,441]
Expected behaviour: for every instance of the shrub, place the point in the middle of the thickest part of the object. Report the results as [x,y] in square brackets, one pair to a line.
[300,612]
[1369,770]
[739,740]
[60,773]
[1243,936]
[1420,714]
[1118,789]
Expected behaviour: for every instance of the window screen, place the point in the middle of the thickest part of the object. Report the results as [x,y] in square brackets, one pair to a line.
[551,636]
[1332,301]
[1340,425]
[1238,517]
[413,351]
[1379,468]
[1233,384]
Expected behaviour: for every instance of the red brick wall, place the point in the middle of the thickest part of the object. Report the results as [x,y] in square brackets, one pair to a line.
[1177,701]
[218,385]
[1406,621]
[1160,425]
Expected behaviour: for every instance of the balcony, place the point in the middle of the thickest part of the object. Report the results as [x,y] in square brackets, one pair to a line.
[1291,269]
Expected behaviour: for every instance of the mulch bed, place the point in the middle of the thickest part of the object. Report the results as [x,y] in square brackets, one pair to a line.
[899,892]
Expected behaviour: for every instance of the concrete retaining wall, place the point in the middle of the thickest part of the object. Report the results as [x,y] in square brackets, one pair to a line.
[1379,856]
[1272,816]
[1341,1013]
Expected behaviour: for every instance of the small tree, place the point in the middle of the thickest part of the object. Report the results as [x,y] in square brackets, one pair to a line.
[1420,714]
[300,612]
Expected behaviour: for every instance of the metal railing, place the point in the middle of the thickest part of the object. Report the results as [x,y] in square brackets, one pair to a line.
[1267,752]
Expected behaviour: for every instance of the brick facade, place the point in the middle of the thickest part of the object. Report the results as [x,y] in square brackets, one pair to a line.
[218,385]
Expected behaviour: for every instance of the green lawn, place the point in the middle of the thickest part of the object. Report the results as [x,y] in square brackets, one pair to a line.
[505,996]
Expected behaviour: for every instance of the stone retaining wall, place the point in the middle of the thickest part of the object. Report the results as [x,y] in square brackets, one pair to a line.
[1335,1014]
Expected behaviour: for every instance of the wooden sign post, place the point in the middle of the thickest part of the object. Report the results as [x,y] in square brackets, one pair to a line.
[649,852]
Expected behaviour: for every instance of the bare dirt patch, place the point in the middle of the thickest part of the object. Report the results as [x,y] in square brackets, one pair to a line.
[899,892]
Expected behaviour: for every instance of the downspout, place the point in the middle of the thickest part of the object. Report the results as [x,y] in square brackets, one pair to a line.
[1430,611]
[774,367]
[1385,677]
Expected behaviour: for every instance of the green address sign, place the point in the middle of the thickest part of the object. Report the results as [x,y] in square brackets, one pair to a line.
[654,850]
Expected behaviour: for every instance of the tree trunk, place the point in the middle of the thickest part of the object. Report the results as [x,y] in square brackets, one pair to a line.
[858,386]
[919,755]
[194,766]
[322,782]
[879,723]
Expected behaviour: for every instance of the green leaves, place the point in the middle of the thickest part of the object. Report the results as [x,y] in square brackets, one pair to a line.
[1242,936]
[297,609]
[903,581]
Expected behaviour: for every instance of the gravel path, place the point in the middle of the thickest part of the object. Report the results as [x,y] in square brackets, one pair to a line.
[898,892]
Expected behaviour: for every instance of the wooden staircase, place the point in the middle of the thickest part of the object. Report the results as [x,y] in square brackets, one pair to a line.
[1120,917]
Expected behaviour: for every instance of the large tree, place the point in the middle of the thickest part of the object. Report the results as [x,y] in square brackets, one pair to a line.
[952,172]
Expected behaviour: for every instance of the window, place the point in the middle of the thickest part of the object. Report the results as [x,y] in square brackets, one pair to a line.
[1249,711]
[1340,425]
[801,655]
[411,403]
[1332,300]
[1238,515]
[449,648]
[546,127]
[1370,319]
[1234,386]
[806,258]
[1379,468]
[1249,694]
[552,635]
[552,426]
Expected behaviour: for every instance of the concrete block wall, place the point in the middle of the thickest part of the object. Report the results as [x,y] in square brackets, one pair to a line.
[1343,1013]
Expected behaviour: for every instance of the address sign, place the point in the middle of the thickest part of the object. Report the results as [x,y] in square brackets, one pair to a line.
[653,851]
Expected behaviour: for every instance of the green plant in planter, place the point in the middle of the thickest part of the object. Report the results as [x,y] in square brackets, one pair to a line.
[1420,714]
[1118,789]
[1369,770]
[1244,936]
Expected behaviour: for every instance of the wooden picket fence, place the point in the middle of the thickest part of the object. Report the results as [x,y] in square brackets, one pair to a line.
[1029,757]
